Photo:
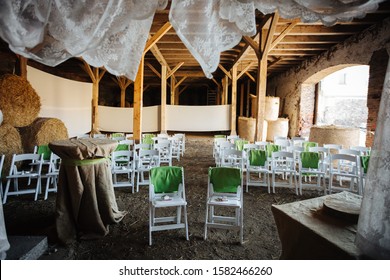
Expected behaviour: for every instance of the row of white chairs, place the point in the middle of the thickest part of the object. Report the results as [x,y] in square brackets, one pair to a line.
[137,161]
[348,165]
[30,167]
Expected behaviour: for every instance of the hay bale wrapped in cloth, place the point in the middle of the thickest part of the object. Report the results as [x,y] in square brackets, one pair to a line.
[335,134]
[19,102]
[10,143]
[41,132]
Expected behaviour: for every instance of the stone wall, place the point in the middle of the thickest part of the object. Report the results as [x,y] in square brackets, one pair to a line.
[289,86]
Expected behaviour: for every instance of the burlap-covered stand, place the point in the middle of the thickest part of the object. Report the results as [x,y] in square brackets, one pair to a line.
[86,204]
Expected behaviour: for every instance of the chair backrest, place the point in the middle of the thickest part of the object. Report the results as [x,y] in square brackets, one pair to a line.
[349,152]
[55,161]
[43,150]
[225,179]
[118,136]
[122,147]
[121,158]
[257,157]
[148,138]
[364,162]
[250,146]
[166,179]
[282,142]
[333,146]
[284,160]
[309,159]
[36,159]
[364,151]
[148,158]
[219,136]
[336,158]
[127,141]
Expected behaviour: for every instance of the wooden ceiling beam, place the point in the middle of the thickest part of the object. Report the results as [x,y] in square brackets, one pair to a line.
[250,65]
[156,37]
[227,73]
[283,34]
[171,72]
[154,70]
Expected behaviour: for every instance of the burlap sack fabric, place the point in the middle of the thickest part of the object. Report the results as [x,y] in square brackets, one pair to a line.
[86,204]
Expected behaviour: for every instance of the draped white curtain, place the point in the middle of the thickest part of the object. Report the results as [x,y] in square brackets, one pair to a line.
[113,33]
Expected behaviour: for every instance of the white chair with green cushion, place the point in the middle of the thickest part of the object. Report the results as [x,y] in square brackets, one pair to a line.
[284,163]
[166,189]
[146,160]
[122,163]
[257,165]
[310,165]
[224,192]
[346,167]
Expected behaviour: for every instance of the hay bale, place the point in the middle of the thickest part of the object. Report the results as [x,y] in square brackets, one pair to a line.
[18,101]
[332,134]
[10,143]
[41,132]
[271,108]
[247,128]
[277,128]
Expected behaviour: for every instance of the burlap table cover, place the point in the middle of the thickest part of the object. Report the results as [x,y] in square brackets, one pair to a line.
[306,231]
[86,204]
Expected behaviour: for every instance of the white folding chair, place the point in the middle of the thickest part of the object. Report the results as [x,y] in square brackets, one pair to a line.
[346,167]
[224,192]
[284,163]
[232,158]
[257,165]
[2,157]
[164,152]
[182,142]
[310,165]
[226,145]
[146,160]
[24,166]
[176,149]
[52,174]
[364,151]
[122,165]
[166,189]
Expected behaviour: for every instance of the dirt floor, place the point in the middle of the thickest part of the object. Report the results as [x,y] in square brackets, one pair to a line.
[129,238]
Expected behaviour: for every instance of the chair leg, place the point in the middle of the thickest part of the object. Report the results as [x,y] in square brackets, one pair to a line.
[151,222]
[206,221]
[6,190]
[37,189]
[185,221]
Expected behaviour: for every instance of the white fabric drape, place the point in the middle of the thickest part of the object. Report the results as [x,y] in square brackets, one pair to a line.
[113,33]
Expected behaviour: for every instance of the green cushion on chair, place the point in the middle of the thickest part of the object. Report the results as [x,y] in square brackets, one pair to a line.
[365,160]
[270,148]
[310,159]
[240,144]
[307,145]
[122,147]
[225,179]
[147,139]
[166,179]
[45,150]
[219,136]
[257,157]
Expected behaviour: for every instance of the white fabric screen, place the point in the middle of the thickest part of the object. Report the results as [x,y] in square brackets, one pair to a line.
[67,100]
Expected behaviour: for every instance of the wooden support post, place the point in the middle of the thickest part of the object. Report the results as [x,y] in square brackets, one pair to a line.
[242,88]
[234,102]
[163,98]
[248,98]
[225,89]
[96,75]
[23,66]
[138,92]
[173,83]
[123,84]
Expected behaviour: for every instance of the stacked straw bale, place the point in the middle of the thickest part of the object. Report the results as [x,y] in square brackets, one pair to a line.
[332,134]
[10,143]
[19,102]
[277,128]
[41,132]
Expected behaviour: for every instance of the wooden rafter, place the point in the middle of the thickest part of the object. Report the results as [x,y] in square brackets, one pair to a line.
[225,71]
[283,34]
[171,72]
[157,36]
[246,69]
[154,70]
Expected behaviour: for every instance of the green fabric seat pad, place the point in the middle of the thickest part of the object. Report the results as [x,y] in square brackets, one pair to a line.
[257,157]
[147,139]
[364,160]
[122,147]
[307,145]
[45,151]
[240,144]
[219,136]
[310,159]
[225,179]
[166,179]
[270,148]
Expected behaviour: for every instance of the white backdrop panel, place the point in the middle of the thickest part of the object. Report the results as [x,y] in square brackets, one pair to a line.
[198,118]
[67,100]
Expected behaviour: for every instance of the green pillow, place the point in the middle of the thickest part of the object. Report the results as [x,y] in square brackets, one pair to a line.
[270,148]
[307,145]
[225,179]
[310,159]
[257,157]
[240,144]
[45,150]
[166,179]
[122,147]
[365,160]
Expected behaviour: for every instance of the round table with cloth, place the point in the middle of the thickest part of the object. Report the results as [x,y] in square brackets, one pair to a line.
[86,204]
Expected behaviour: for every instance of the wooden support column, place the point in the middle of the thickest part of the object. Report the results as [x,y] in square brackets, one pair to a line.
[234,102]
[225,89]
[248,98]
[96,75]
[173,82]
[123,84]
[242,89]
[138,94]
[23,66]
[163,98]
